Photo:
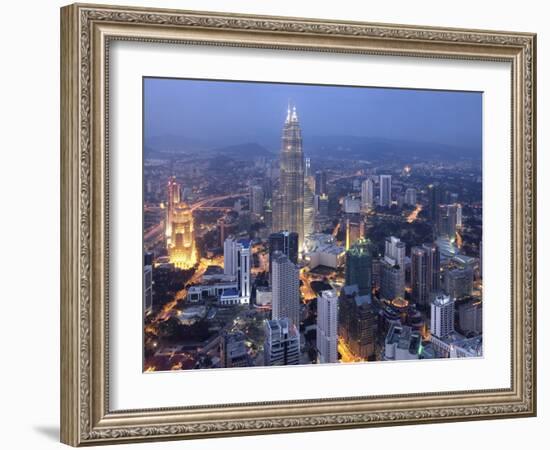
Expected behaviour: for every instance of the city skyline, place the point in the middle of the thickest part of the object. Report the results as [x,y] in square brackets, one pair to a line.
[245,112]
[278,258]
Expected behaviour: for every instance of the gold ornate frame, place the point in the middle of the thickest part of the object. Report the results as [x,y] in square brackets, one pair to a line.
[86,31]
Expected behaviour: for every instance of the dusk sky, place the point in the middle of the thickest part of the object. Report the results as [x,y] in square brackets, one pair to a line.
[224,112]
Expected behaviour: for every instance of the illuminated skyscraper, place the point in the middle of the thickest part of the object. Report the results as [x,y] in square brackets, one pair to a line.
[181,247]
[289,214]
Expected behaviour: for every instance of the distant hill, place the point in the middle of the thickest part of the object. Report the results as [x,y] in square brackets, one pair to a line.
[173,144]
[247,150]
[372,148]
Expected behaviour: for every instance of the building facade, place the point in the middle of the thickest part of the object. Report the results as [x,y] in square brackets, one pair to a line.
[285,289]
[282,343]
[442,316]
[327,327]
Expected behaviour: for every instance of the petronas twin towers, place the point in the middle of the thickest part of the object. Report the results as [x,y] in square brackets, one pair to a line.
[289,202]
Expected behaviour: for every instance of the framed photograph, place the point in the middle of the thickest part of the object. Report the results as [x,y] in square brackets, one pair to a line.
[275,224]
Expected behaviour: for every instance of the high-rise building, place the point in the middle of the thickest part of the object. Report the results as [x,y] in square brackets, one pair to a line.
[470,317]
[442,316]
[181,246]
[309,205]
[419,276]
[327,327]
[392,280]
[458,215]
[148,289]
[433,269]
[395,249]
[410,197]
[355,230]
[284,242]
[174,194]
[367,194]
[434,200]
[357,322]
[384,199]
[447,220]
[459,282]
[285,280]
[282,343]
[359,267]
[322,204]
[290,201]
[236,262]
[352,205]
[257,200]
[233,350]
[392,269]
[321,182]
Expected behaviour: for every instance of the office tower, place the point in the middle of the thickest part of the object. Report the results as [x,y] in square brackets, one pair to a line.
[236,262]
[309,205]
[233,350]
[459,282]
[357,322]
[433,269]
[322,205]
[290,201]
[447,221]
[434,200]
[285,280]
[230,257]
[395,249]
[458,215]
[352,205]
[147,289]
[181,247]
[359,267]
[367,194]
[282,343]
[392,269]
[257,200]
[470,317]
[410,197]
[327,327]
[419,276]
[355,230]
[442,316]
[284,242]
[392,281]
[321,183]
[384,199]
[173,196]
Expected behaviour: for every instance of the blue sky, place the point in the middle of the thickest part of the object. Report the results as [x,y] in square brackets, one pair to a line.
[236,112]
